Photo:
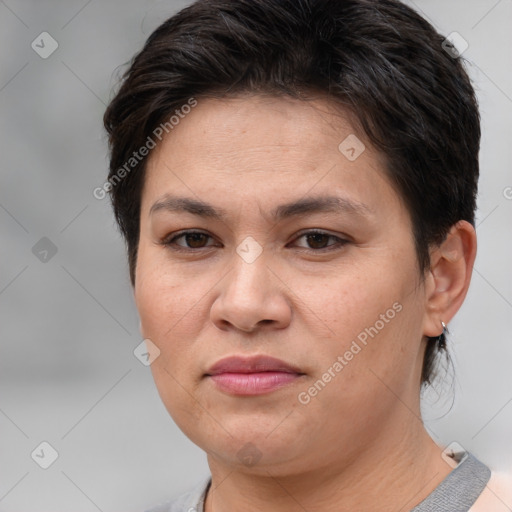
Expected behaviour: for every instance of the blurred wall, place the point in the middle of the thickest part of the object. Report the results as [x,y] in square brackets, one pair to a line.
[68,375]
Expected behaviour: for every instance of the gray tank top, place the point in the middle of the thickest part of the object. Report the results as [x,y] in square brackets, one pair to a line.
[456,493]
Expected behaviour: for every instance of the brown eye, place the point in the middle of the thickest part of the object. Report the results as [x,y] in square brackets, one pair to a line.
[318,240]
[196,240]
[188,240]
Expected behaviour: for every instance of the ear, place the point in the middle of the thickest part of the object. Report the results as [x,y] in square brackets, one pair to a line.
[447,281]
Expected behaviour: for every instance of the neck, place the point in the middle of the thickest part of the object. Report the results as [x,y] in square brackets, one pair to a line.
[385,476]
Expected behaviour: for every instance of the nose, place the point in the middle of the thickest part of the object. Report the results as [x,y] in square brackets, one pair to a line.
[251,297]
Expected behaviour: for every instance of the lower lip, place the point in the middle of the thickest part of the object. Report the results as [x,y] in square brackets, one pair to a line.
[252,383]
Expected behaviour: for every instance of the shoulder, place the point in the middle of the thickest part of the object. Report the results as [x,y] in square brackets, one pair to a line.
[191,501]
[497,495]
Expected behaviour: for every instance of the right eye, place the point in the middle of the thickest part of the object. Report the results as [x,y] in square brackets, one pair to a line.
[193,240]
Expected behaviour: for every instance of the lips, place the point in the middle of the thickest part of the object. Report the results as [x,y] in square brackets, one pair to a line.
[255,375]
[255,364]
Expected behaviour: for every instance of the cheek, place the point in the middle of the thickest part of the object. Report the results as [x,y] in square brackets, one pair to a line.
[345,301]
[166,310]
[366,315]
[163,295]
[161,305]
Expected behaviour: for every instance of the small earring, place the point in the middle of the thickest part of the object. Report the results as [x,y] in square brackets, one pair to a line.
[441,339]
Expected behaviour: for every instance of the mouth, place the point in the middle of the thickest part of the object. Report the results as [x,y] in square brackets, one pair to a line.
[237,375]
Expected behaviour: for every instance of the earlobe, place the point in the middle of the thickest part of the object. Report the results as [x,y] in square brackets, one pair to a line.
[449,277]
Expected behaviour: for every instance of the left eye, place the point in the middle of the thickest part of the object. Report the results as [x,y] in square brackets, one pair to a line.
[318,240]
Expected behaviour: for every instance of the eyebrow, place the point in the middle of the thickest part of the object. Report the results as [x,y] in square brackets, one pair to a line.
[304,206]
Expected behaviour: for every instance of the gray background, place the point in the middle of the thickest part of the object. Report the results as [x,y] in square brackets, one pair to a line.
[68,375]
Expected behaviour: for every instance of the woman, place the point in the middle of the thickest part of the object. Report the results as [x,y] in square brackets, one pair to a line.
[296,182]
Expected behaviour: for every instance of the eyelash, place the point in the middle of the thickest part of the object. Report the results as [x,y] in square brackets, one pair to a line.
[170,242]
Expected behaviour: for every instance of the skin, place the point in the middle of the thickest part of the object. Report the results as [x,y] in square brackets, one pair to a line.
[359,444]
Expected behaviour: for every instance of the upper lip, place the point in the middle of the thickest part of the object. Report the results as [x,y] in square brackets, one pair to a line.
[252,364]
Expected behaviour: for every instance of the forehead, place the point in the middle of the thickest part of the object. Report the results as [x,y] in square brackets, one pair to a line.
[265,147]
[262,124]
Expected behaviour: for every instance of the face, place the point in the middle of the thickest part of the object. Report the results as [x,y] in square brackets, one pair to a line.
[277,276]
